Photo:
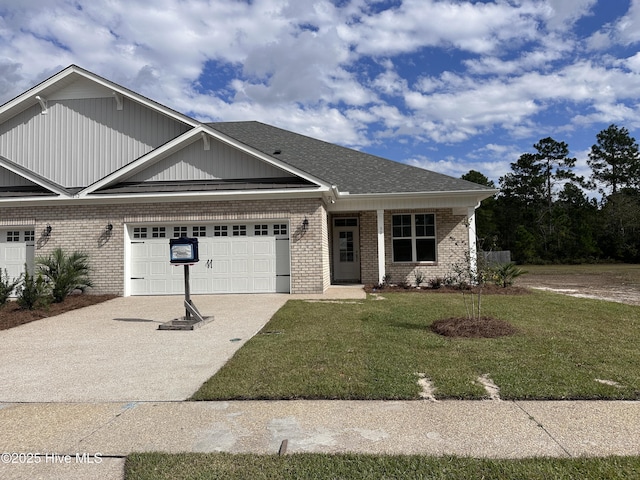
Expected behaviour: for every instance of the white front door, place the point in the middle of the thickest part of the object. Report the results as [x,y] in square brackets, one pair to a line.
[346,250]
[17,248]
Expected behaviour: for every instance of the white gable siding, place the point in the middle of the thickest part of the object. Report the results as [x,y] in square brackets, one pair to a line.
[77,142]
[219,162]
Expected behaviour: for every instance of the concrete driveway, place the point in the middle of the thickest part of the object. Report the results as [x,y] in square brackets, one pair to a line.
[114,352]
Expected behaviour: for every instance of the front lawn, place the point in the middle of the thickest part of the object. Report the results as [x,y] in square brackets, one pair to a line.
[565,348]
[158,466]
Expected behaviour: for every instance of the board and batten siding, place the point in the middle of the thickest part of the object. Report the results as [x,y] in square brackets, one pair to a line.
[77,142]
[221,161]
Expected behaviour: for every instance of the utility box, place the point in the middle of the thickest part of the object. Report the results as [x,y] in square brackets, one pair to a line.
[183,250]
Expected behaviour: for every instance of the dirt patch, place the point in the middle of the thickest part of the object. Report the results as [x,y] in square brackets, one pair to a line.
[463,327]
[11,315]
[599,286]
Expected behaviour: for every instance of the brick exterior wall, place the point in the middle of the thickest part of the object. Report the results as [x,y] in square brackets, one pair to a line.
[452,242]
[451,236]
[83,227]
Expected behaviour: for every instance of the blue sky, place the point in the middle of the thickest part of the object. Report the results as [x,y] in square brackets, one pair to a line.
[446,85]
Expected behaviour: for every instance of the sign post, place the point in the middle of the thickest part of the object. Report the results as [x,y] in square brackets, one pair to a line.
[184,251]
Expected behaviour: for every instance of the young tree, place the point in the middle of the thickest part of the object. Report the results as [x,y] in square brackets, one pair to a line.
[615,159]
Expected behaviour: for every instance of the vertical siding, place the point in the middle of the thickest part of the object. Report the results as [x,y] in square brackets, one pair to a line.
[220,162]
[80,141]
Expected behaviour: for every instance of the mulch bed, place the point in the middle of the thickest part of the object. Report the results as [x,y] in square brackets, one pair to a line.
[483,327]
[486,290]
[11,315]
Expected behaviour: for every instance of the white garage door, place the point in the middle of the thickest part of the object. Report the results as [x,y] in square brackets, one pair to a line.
[16,249]
[234,258]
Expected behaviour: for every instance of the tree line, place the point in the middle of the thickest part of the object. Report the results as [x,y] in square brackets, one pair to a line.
[543,213]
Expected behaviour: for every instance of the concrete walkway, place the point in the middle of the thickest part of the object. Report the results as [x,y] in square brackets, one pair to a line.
[80,391]
[106,432]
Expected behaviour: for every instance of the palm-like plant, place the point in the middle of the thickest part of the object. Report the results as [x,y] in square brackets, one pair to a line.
[66,273]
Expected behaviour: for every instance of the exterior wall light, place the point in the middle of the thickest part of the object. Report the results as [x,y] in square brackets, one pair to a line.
[305,224]
[108,228]
[47,231]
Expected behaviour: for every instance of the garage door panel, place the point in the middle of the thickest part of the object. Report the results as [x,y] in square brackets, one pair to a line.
[228,264]
[239,265]
[262,265]
[240,247]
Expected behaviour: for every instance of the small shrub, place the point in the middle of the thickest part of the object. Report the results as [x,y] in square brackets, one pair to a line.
[419,279]
[33,292]
[436,283]
[504,275]
[386,280]
[7,286]
[65,272]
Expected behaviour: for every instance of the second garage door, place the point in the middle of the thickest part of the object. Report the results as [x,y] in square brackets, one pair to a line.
[234,258]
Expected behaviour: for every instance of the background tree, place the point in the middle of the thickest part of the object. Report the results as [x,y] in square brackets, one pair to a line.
[615,160]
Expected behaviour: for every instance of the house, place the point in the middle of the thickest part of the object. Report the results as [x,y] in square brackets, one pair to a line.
[86,164]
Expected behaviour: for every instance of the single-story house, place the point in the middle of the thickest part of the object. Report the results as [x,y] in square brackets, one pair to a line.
[88,165]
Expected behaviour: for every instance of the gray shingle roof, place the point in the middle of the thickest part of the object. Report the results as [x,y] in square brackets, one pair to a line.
[350,170]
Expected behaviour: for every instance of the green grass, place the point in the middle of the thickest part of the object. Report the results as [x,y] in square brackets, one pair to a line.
[373,349]
[157,466]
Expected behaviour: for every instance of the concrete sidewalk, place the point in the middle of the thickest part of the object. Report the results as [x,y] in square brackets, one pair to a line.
[106,432]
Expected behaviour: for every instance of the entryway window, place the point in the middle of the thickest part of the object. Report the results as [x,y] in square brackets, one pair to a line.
[414,237]
[13,236]
[29,235]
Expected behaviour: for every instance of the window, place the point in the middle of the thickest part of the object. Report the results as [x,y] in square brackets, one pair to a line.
[13,236]
[158,232]
[29,235]
[220,231]
[414,237]
[199,231]
[179,232]
[345,222]
[280,229]
[140,232]
[261,230]
[239,230]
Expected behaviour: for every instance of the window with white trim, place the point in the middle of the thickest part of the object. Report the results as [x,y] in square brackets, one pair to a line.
[239,230]
[140,232]
[29,235]
[199,231]
[280,229]
[179,232]
[158,232]
[219,230]
[414,237]
[261,230]
[13,236]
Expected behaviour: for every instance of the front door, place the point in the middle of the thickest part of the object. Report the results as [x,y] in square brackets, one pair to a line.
[346,250]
